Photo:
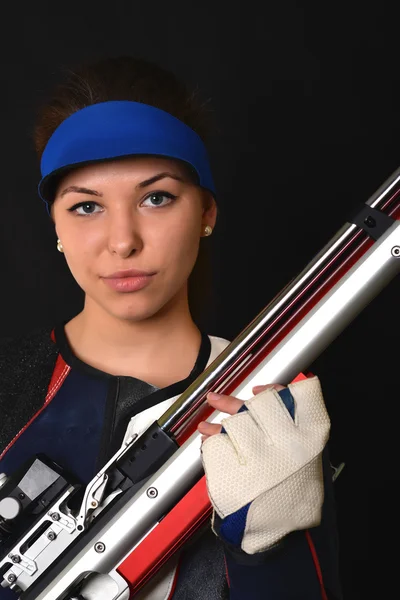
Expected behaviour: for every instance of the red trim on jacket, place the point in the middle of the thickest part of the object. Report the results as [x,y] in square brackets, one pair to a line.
[60,373]
[227,573]
[61,370]
[314,555]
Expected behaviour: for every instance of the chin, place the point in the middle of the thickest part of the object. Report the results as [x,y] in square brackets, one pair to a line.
[138,306]
[140,312]
[136,317]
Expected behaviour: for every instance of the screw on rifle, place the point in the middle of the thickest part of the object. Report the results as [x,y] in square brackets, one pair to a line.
[55,516]
[99,547]
[396,251]
[370,221]
[16,558]
[152,492]
[11,578]
[51,536]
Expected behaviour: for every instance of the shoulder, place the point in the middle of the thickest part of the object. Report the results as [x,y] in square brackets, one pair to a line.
[26,365]
[26,355]
[32,339]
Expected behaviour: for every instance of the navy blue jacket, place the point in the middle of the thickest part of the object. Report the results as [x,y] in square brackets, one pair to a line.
[77,415]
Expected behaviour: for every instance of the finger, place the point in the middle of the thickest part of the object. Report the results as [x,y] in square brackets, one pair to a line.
[226,404]
[261,388]
[208,429]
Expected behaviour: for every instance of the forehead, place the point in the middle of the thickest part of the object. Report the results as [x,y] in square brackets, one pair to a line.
[137,168]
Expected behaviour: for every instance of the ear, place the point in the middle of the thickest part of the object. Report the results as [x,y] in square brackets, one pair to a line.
[210,210]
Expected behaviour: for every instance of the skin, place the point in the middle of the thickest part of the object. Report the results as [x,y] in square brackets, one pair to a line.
[120,227]
[229,405]
[108,220]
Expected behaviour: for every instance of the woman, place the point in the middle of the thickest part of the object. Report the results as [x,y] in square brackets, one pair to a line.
[127,183]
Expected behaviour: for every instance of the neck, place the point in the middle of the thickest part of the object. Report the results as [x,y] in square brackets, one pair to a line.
[140,349]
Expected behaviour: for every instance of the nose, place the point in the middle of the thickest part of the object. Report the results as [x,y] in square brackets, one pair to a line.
[124,236]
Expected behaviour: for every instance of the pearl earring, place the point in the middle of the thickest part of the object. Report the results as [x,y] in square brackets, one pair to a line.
[60,246]
[207,230]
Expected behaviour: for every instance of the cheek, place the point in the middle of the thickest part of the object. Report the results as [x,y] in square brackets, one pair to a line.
[80,251]
[180,245]
[78,265]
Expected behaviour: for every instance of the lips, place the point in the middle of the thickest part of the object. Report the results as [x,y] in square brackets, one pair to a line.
[128,273]
[131,280]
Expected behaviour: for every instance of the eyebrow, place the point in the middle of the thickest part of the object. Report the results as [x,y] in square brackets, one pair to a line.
[142,184]
[79,190]
[158,177]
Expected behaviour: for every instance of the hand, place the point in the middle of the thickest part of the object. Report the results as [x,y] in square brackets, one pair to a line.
[229,405]
[264,470]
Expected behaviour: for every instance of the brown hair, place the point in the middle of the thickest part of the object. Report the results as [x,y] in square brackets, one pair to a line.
[121,78]
[136,79]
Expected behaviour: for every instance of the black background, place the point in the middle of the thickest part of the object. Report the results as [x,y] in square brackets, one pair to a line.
[307,101]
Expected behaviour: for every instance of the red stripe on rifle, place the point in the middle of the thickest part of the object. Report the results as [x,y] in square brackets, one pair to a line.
[167,537]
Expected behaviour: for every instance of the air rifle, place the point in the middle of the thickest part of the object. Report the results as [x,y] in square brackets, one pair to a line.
[104,541]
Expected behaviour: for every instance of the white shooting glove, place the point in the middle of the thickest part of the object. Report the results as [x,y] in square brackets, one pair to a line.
[264,471]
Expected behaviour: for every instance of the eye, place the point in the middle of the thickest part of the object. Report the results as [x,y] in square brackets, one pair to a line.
[156,199]
[87,208]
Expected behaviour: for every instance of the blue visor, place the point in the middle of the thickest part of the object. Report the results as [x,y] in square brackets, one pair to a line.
[116,129]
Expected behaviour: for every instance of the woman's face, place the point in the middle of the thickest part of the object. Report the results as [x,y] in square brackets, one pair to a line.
[142,214]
